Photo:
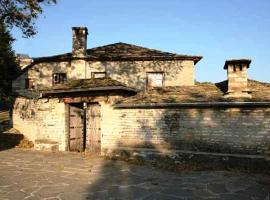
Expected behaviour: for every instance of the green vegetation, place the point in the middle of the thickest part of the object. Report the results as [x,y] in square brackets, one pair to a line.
[22,14]
[8,66]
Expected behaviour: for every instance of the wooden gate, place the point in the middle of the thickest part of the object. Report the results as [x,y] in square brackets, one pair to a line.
[76,128]
[93,138]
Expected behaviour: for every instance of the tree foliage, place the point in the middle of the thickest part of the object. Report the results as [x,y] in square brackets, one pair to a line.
[22,14]
[8,66]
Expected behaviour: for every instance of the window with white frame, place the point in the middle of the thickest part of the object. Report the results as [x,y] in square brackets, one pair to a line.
[154,79]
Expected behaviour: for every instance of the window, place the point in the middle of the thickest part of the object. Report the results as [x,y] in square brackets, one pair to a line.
[59,78]
[98,74]
[29,83]
[155,79]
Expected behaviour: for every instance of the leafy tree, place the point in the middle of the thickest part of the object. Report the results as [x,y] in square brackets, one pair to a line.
[8,65]
[22,14]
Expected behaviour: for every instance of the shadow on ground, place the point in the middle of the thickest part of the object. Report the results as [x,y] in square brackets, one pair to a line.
[118,180]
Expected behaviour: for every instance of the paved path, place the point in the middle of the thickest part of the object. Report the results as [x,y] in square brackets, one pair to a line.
[31,175]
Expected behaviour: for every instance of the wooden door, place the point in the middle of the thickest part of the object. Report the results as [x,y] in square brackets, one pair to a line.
[76,127]
[93,138]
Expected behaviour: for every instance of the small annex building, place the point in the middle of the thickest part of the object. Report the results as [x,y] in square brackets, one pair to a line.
[126,97]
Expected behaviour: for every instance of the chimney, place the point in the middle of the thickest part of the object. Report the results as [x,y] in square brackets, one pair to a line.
[237,78]
[79,43]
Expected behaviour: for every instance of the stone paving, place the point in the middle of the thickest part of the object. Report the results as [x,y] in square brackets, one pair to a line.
[26,174]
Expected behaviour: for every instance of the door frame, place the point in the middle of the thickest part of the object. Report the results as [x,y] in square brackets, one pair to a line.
[68,125]
[85,109]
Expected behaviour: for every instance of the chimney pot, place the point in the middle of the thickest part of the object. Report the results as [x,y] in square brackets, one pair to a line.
[237,78]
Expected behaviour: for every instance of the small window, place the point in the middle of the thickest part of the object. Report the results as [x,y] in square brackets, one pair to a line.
[98,75]
[29,83]
[155,79]
[59,78]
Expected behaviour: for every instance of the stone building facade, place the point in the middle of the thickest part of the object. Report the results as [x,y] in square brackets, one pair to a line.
[123,97]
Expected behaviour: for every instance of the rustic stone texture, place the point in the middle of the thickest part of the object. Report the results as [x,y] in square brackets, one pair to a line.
[41,120]
[227,130]
[132,74]
[231,130]
[237,81]
[79,44]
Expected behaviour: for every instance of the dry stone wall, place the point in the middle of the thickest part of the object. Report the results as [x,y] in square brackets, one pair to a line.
[221,130]
[41,120]
[217,130]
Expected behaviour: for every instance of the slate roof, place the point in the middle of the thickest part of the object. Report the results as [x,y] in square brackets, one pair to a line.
[84,85]
[200,92]
[122,52]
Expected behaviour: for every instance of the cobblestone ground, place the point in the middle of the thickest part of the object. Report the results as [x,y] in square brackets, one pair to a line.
[31,175]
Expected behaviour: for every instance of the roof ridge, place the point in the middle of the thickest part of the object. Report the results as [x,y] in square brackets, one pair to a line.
[142,47]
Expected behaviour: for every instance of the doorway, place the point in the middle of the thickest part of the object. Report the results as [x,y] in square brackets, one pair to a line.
[84,127]
[76,127]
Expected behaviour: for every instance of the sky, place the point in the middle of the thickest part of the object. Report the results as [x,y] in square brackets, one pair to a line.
[215,29]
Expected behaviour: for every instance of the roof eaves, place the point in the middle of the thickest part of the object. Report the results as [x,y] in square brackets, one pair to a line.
[95,89]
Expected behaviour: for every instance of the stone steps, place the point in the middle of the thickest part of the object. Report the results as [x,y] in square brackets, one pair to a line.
[46,145]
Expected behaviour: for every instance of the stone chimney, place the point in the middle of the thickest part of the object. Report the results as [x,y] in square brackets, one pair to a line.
[237,78]
[79,43]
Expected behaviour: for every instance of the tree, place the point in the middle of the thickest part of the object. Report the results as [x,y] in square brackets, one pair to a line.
[22,14]
[8,66]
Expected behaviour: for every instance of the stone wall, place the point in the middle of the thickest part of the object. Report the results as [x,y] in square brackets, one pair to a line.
[41,120]
[216,130]
[220,130]
[132,74]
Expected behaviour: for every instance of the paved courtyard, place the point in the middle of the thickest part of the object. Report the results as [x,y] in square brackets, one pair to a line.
[26,174]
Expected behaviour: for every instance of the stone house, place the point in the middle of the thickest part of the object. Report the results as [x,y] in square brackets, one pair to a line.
[126,97]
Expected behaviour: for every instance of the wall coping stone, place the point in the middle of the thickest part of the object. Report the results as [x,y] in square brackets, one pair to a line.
[194,105]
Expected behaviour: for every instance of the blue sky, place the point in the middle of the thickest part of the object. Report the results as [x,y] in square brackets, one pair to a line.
[215,29]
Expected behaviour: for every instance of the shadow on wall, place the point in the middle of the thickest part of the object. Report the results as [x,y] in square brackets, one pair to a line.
[214,130]
[133,73]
